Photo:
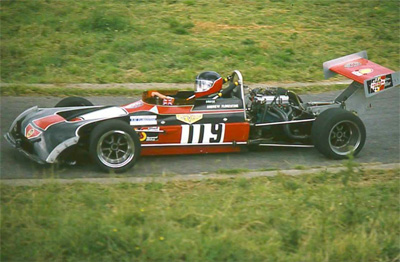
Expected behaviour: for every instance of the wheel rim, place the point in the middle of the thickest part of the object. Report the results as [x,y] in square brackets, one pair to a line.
[344,137]
[115,148]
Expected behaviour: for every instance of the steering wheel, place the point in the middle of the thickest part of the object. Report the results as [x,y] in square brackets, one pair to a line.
[227,92]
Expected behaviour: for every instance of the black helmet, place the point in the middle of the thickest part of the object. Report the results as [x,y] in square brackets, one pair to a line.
[207,83]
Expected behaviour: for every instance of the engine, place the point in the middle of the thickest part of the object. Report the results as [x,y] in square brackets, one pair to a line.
[269,99]
[270,106]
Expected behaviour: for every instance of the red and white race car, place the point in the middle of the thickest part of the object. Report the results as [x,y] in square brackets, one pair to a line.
[211,119]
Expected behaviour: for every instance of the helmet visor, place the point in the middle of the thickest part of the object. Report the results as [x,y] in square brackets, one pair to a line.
[203,85]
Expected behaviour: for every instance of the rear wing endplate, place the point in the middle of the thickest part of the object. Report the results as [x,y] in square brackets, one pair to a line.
[375,78]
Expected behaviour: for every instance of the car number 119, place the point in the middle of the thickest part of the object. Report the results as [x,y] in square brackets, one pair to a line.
[203,134]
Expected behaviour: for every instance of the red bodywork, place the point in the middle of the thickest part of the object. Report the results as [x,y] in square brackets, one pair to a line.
[170,138]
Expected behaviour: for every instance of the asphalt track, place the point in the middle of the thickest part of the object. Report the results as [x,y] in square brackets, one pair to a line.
[382,145]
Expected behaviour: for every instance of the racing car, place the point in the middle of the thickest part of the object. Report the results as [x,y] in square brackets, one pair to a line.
[220,115]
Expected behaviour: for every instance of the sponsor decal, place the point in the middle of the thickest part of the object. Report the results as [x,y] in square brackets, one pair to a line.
[168,101]
[379,83]
[134,105]
[203,134]
[150,129]
[362,72]
[142,136]
[143,120]
[189,118]
[352,64]
[148,134]
[31,132]
[152,138]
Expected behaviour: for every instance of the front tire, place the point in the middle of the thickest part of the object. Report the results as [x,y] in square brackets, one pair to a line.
[337,133]
[74,101]
[114,146]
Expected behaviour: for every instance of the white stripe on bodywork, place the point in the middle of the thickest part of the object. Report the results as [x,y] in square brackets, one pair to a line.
[105,113]
[185,134]
[52,157]
[204,144]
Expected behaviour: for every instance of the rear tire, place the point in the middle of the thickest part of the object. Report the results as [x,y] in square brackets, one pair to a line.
[114,146]
[74,101]
[337,133]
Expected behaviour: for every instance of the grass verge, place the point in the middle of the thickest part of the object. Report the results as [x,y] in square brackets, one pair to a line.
[349,216]
[25,90]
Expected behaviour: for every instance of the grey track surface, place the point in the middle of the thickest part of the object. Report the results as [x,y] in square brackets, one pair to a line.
[382,145]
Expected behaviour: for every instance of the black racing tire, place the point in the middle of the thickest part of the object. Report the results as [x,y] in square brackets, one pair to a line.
[114,146]
[337,133]
[74,101]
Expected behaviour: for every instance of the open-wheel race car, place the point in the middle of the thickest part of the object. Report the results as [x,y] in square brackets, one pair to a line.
[212,119]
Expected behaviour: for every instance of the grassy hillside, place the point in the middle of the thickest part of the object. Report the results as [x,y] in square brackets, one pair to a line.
[322,217]
[68,41]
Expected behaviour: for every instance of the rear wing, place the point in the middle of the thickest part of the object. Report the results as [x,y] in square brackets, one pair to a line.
[375,78]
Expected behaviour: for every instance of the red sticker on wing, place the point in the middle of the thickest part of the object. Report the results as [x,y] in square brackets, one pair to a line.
[31,132]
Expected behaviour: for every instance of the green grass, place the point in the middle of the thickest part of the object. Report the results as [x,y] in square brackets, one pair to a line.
[350,216]
[232,171]
[23,90]
[173,40]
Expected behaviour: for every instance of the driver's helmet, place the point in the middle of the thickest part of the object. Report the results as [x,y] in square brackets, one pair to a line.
[207,83]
